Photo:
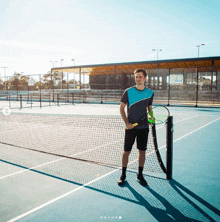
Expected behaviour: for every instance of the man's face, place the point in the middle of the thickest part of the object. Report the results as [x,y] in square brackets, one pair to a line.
[139,78]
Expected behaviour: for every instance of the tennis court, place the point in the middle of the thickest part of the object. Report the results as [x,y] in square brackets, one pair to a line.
[39,186]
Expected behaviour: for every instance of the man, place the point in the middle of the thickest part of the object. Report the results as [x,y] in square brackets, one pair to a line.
[139,101]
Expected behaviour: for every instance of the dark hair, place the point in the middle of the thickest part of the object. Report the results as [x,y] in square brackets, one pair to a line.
[140,70]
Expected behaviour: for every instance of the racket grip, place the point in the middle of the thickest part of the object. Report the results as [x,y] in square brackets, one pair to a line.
[134,124]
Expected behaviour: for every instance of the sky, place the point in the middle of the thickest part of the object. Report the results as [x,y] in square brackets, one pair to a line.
[36,34]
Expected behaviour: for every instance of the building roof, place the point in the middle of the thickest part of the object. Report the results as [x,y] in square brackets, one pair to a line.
[204,64]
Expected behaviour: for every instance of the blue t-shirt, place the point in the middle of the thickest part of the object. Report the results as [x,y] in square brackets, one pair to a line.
[137,102]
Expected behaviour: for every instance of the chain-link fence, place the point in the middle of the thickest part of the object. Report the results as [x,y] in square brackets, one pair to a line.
[184,86]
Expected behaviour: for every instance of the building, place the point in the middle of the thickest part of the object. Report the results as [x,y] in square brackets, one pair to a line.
[161,73]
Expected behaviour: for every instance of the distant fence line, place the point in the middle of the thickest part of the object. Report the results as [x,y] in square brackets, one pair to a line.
[185,86]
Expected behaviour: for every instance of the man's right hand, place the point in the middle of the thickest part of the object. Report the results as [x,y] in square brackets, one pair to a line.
[129,126]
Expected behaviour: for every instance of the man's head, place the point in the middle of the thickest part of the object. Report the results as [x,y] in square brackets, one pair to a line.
[140,76]
[141,70]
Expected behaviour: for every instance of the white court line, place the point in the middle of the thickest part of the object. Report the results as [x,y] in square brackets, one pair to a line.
[185,119]
[178,121]
[191,132]
[177,113]
[196,130]
[193,112]
[60,197]
[63,158]
[29,169]
[74,190]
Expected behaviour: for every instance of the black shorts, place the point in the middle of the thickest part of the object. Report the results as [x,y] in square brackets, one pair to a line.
[141,136]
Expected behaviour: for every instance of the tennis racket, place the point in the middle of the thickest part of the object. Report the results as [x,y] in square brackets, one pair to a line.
[157,115]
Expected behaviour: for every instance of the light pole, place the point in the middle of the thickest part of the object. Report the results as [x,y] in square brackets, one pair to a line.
[74,73]
[53,63]
[199,47]
[5,75]
[158,50]
[73,61]
[61,62]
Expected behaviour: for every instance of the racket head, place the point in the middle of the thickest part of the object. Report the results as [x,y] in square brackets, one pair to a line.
[160,114]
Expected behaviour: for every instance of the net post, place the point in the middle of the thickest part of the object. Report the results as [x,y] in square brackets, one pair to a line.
[169,144]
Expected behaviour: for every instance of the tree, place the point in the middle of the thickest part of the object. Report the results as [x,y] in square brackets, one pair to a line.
[15,81]
[47,81]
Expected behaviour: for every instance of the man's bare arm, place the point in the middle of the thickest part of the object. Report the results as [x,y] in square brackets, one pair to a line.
[149,108]
[124,117]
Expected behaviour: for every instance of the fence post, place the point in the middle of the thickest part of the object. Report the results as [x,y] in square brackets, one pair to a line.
[67,87]
[101,98]
[28,93]
[58,100]
[72,98]
[40,101]
[53,86]
[9,97]
[20,101]
[197,86]
[31,101]
[169,90]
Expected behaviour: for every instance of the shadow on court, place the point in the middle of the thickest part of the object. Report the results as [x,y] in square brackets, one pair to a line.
[209,110]
[191,213]
[195,198]
[163,200]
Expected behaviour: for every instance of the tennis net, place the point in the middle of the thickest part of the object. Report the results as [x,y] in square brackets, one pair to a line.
[95,139]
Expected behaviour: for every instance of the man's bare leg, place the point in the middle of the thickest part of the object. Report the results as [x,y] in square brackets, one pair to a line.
[141,162]
[125,157]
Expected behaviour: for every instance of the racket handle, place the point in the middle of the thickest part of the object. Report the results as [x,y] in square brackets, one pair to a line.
[134,124]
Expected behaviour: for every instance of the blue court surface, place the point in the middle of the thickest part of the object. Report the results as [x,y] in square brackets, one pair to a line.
[83,191]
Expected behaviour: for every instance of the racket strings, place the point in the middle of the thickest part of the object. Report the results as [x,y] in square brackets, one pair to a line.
[160,114]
